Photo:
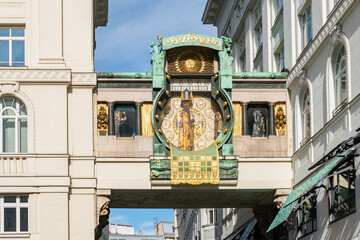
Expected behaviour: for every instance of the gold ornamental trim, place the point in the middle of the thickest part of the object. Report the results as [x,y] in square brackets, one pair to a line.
[202,40]
[194,169]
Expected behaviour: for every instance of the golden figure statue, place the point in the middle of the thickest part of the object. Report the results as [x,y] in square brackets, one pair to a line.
[218,124]
[186,131]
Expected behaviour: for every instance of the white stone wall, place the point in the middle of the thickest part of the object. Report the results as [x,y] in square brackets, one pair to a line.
[56,84]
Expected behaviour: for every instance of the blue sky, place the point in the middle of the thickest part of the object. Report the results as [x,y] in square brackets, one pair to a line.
[124,46]
[140,219]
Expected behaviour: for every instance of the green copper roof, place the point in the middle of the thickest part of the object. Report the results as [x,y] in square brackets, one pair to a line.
[124,75]
[146,75]
[192,40]
[260,75]
[248,230]
[300,191]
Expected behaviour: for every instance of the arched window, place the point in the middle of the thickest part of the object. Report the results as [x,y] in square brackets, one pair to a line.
[13,125]
[305,116]
[340,85]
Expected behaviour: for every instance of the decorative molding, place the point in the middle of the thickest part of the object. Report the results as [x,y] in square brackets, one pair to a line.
[335,34]
[83,79]
[320,38]
[9,87]
[257,12]
[302,76]
[35,75]
[192,40]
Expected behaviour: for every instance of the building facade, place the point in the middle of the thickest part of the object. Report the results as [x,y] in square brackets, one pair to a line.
[317,42]
[47,79]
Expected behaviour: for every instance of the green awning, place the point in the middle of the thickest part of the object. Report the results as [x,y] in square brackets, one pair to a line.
[248,230]
[301,190]
[232,236]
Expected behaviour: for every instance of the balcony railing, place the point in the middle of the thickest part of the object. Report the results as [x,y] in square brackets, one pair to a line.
[12,164]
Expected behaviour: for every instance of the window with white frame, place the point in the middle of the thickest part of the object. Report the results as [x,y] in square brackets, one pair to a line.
[342,190]
[243,62]
[280,60]
[258,37]
[278,6]
[14,213]
[12,46]
[306,214]
[340,85]
[306,30]
[13,125]
[305,115]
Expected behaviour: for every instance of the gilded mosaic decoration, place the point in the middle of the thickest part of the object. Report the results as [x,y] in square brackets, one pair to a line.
[191,128]
[102,119]
[190,60]
[195,168]
[202,40]
[146,125]
[280,119]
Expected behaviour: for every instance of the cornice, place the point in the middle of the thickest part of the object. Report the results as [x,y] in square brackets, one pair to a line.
[83,79]
[320,38]
[36,75]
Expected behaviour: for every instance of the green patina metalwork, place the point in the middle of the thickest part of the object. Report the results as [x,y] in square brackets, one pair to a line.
[244,75]
[158,65]
[255,85]
[301,190]
[144,75]
[124,84]
[160,168]
[192,40]
[265,75]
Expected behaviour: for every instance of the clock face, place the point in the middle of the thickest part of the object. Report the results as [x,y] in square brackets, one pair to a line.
[191,124]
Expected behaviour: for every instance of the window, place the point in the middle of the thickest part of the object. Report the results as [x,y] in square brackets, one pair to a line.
[258,120]
[280,60]
[14,213]
[211,213]
[305,116]
[306,27]
[124,120]
[306,214]
[278,6]
[258,37]
[342,190]
[243,62]
[13,125]
[12,47]
[340,74]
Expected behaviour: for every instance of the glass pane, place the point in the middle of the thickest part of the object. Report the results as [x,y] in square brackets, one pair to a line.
[9,219]
[17,32]
[9,102]
[9,135]
[18,52]
[4,53]
[8,112]
[343,64]
[24,199]
[124,121]
[309,29]
[4,32]
[9,199]
[23,110]
[23,219]
[23,135]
